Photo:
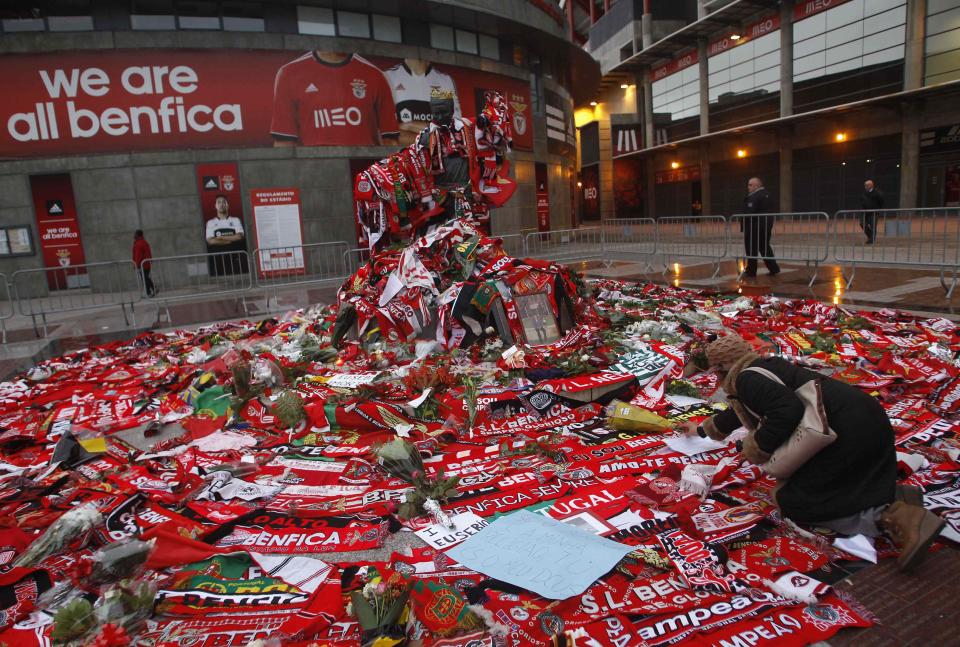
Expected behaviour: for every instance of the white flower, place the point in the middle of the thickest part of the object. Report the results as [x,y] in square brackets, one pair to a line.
[489,330]
[584,358]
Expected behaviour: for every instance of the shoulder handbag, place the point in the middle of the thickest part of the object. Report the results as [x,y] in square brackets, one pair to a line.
[811,435]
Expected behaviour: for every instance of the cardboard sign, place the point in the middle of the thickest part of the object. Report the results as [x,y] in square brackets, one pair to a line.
[554,559]
[465,525]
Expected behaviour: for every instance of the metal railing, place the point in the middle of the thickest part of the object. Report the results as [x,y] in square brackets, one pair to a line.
[514,244]
[703,237]
[300,264]
[353,259]
[565,245]
[44,291]
[630,236]
[800,237]
[921,238]
[187,276]
[6,306]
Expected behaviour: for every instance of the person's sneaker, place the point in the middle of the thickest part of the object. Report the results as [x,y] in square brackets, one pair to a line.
[913,529]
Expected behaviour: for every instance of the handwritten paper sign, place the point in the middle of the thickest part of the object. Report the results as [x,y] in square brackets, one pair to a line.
[549,557]
[465,525]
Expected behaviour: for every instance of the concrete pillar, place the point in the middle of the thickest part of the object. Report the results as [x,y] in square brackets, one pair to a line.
[646,25]
[701,13]
[707,208]
[786,169]
[648,139]
[913,56]
[909,155]
[649,163]
[786,58]
[704,86]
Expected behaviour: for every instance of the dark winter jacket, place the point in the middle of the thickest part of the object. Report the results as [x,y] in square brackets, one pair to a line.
[871,200]
[855,472]
[758,202]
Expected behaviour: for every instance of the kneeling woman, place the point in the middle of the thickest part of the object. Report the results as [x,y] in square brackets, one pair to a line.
[851,485]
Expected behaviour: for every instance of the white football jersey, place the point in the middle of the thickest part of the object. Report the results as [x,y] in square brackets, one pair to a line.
[411,92]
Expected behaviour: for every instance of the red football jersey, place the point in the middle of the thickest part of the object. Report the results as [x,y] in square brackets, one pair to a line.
[323,104]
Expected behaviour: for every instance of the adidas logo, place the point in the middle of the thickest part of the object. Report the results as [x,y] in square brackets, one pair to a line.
[400,88]
[211,184]
[312,88]
[54,207]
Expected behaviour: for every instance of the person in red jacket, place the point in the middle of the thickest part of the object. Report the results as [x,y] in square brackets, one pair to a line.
[141,258]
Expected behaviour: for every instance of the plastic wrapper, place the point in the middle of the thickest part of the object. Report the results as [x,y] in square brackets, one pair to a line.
[623,416]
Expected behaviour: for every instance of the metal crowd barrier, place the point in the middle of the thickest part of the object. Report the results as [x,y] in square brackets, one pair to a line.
[514,244]
[54,290]
[187,276]
[921,238]
[353,259]
[630,239]
[704,237]
[799,237]
[565,245]
[299,264]
[6,306]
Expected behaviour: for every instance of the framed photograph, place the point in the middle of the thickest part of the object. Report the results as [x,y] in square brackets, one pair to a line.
[536,315]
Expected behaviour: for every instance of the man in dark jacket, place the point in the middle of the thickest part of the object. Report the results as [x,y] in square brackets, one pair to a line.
[758,228]
[870,202]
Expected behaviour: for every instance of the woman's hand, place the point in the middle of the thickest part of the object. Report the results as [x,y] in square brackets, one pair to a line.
[751,451]
[688,428]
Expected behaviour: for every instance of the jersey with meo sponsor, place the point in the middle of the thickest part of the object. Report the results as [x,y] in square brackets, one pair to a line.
[411,92]
[228,226]
[324,104]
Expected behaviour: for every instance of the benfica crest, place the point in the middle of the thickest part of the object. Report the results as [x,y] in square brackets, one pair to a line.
[359,88]
[519,118]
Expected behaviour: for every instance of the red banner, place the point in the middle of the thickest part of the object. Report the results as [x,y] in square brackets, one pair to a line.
[590,180]
[131,100]
[543,198]
[762,27]
[675,65]
[685,174]
[809,8]
[216,180]
[59,231]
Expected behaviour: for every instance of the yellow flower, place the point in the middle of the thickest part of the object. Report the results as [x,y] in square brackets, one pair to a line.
[384,641]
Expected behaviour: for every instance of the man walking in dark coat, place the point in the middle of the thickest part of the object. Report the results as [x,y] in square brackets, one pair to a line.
[871,201]
[757,228]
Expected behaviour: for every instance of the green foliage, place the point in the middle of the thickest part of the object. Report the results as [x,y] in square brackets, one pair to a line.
[72,621]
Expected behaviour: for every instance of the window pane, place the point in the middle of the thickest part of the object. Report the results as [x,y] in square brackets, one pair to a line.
[199,22]
[354,25]
[234,23]
[316,21]
[466,41]
[387,28]
[441,37]
[152,22]
[22,24]
[70,23]
[489,47]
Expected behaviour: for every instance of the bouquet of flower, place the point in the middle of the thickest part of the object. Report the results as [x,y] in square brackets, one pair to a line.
[71,524]
[381,609]
[401,459]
